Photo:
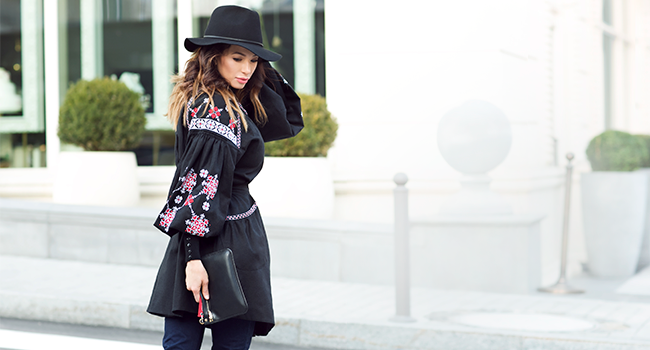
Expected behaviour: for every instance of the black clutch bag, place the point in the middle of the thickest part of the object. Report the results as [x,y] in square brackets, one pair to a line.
[227,298]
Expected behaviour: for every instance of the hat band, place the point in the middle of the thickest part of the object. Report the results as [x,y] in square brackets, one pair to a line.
[234,39]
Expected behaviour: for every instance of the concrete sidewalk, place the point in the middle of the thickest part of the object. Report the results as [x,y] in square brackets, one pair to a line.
[341,315]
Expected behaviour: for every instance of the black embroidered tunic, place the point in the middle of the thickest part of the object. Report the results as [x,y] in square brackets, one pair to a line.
[209,205]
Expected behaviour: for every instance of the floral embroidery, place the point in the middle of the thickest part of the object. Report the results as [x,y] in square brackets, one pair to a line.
[197,225]
[210,186]
[214,113]
[218,128]
[243,215]
[212,122]
[189,181]
[166,218]
[178,200]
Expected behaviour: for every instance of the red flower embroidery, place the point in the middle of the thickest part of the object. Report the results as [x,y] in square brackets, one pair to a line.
[194,111]
[166,218]
[232,124]
[210,186]
[189,200]
[214,113]
[198,225]
[189,181]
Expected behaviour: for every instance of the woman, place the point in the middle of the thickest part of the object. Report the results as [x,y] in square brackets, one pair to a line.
[219,150]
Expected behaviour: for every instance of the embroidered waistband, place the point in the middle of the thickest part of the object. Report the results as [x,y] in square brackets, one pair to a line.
[243,215]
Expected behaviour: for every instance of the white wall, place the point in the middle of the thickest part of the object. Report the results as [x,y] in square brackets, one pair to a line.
[403,67]
[394,71]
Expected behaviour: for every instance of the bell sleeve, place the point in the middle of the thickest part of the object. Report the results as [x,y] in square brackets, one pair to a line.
[282,106]
[200,194]
[180,140]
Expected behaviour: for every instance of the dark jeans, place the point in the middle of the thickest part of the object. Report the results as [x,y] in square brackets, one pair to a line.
[185,333]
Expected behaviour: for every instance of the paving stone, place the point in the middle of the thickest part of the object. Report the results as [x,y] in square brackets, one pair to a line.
[327,314]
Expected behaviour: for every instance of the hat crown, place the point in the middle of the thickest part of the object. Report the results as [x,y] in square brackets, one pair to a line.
[235,23]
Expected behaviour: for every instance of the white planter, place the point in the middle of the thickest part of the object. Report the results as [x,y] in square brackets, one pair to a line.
[97,178]
[613,210]
[295,187]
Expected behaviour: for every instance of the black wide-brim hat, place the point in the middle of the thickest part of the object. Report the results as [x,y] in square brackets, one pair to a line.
[236,26]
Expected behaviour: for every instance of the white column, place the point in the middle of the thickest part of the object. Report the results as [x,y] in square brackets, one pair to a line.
[32,63]
[185,14]
[163,60]
[304,46]
[92,39]
[52,80]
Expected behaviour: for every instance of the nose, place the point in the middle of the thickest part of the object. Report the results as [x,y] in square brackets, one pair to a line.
[249,68]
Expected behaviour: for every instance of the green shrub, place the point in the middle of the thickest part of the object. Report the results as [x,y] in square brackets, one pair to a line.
[646,141]
[101,115]
[616,151]
[316,137]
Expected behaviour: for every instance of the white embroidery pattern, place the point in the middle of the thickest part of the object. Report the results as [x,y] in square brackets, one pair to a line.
[197,225]
[231,132]
[216,127]
[243,215]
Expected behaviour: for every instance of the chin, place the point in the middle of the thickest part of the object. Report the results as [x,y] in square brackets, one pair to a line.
[237,85]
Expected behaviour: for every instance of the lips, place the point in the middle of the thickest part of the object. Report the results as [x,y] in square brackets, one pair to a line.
[242,80]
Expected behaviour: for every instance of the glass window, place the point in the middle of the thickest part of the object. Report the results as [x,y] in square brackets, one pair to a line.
[320,47]
[10,59]
[116,38]
[22,142]
[22,150]
[277,21]
[156,148]
[127,44]
[73,50]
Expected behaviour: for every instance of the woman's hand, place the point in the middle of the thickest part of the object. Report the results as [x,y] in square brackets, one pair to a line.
[196,279]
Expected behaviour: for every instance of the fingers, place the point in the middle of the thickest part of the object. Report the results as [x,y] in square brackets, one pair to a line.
[204,286]
[195,292]
[196,279]
[197,296]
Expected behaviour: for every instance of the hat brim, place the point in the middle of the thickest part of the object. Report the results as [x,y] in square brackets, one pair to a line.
[191,44]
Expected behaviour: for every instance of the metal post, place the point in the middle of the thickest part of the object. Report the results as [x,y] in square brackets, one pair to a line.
[402,273]
[561,287]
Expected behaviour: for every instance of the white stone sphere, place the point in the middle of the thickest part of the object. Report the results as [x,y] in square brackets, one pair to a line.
[474,137]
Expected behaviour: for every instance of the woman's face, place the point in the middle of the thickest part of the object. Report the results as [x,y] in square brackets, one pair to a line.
[237,65]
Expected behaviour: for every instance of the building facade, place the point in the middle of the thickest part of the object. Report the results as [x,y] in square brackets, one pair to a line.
[562,71]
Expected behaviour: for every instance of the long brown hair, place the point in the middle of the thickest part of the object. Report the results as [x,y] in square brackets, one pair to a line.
[202,76]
